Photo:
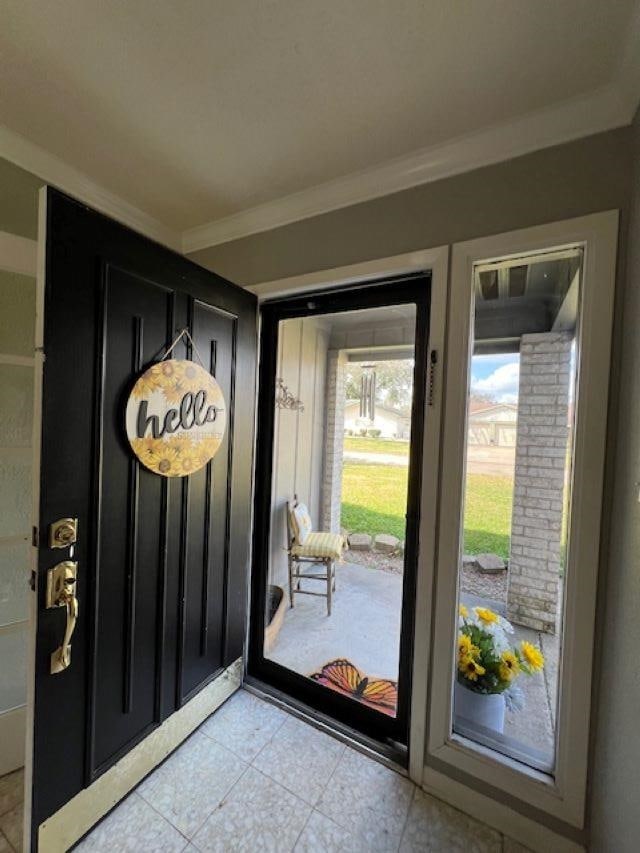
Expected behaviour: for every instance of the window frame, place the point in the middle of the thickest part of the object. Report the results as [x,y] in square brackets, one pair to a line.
[563,795]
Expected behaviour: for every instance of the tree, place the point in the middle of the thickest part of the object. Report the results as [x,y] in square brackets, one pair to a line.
[394,382]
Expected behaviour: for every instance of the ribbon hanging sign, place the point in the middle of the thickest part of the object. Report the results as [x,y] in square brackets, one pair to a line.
[175,417]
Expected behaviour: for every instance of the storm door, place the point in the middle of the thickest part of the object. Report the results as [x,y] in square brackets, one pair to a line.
[339,456]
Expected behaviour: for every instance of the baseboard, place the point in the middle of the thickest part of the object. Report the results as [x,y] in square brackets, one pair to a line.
[63,829]
[12,738]
[512,824]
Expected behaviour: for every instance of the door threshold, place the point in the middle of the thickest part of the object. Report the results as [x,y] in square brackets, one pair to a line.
[391,755]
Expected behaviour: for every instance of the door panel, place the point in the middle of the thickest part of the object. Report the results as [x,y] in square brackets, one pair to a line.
[129,570]
[299,661]
[206,568]
[162,562]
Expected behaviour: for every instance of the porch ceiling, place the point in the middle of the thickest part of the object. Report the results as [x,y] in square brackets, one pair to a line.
[530,297]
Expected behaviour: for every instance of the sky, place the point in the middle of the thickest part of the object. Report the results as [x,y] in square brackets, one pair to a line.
[496,376]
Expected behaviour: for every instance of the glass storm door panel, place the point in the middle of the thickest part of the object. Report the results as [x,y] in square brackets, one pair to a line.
[342,403]
[517,499]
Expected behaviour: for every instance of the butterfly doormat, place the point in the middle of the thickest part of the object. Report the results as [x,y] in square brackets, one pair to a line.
[343,677]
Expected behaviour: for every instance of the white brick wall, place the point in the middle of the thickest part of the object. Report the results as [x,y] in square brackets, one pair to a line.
[541,452]
[334,440]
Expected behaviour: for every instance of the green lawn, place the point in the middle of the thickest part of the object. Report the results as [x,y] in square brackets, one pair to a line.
[366,444]
[374,501]
[487,517]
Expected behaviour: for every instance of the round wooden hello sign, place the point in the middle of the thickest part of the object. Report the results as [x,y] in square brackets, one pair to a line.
[175,418]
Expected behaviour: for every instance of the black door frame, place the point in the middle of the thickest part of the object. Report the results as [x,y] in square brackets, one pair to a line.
[406,289]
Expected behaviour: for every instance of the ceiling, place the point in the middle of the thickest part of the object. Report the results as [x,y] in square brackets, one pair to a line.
[369,317]
[524,297]
[197,111]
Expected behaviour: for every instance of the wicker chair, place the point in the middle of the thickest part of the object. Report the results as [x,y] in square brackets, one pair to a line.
[317,549]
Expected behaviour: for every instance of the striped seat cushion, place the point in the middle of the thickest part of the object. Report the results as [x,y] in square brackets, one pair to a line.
[329,545]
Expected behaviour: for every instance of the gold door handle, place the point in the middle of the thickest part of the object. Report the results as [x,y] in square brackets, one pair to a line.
[61,592]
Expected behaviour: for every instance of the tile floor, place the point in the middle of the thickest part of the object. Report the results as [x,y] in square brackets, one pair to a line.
[11,804]
[254,778]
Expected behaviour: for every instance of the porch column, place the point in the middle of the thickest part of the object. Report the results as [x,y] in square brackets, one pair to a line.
[333,441]
[542,440]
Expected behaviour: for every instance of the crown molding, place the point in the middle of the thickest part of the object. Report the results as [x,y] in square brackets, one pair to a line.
[606,108]
[603,109]
[56,172]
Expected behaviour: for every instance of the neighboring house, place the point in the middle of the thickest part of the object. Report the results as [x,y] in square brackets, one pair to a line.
[391,422]
[494,425]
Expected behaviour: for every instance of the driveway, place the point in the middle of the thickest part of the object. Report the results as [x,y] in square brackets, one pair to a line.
[481,459]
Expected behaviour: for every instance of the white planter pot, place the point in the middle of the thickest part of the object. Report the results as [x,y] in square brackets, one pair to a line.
[480,709]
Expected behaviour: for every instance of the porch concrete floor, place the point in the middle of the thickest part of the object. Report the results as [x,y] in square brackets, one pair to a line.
[364,627]
[254,778]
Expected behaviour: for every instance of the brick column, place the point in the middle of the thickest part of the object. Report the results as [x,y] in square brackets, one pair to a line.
[333,441]
[542,440]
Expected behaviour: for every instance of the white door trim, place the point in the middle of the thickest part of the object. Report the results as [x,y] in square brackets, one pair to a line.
[362,272]
[41,261]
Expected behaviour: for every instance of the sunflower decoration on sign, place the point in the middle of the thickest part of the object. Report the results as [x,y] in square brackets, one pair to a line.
[175,418]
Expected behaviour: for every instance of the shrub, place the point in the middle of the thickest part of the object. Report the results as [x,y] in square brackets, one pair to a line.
[374,433]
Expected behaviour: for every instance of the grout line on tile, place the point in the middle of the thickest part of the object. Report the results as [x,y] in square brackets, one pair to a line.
[273,734]
[220,801]
[153,808]
[295,843]
[159,813]
[242,758]
[406,818]
[326,785]
[267,743]
[2,835]
[290,793]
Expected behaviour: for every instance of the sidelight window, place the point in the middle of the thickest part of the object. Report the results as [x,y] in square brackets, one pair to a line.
[520,508]
[515,503]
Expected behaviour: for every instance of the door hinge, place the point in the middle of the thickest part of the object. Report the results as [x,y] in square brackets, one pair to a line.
[34,536]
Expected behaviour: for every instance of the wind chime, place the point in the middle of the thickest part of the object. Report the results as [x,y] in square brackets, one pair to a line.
[368,392]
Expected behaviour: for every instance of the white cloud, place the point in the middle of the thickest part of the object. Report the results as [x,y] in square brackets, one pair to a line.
[501,385]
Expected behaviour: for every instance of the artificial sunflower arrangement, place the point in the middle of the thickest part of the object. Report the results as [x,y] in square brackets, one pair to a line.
[488,661]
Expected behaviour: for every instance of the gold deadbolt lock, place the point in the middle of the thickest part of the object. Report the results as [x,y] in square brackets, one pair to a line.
[63,533]
[61,592]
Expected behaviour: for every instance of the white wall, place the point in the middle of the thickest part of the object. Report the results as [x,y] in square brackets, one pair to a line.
[17,324]
[298,441]
[615,779]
